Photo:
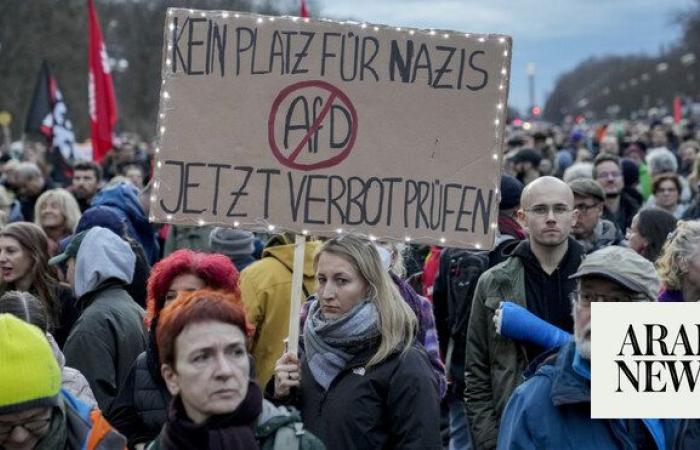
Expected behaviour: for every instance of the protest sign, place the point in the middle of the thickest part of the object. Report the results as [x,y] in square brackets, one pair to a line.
[317,126]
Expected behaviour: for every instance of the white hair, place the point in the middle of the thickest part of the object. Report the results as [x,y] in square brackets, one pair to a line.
[578,170]
[660,160]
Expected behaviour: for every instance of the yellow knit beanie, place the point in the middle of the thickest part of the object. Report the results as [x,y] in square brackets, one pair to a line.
[29,374]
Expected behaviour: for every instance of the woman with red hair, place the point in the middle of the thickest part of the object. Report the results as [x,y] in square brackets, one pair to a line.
[140,409]
[203,341]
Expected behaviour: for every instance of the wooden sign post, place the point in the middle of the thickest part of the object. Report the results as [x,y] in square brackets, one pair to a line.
[297,284]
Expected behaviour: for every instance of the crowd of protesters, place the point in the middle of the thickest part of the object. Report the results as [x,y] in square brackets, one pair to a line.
[116,332]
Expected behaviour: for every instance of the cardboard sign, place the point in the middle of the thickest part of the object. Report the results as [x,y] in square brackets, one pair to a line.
[318,127]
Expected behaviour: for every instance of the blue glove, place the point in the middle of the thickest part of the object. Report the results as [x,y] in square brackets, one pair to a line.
[519,324]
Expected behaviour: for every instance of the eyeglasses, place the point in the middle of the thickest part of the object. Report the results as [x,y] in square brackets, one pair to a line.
[33,426]
[663,190]
[608,175]
[584,208]
[543,210]
[586,298]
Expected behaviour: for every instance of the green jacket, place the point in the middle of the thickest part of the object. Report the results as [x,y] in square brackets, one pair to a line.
[277,428]
[494,364]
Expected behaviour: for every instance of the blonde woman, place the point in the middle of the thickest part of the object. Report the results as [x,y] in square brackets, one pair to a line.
[679,264]
[360,380]
[6,206]
[57,213]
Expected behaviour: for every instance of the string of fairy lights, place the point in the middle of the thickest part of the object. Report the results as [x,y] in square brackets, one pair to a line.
[499,109]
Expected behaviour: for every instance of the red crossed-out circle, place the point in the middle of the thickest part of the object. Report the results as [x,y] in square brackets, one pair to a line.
[335,94]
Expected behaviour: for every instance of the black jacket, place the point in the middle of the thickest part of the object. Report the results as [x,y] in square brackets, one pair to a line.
[623,218]
[106,340]
[69,312]
[548,295]
[137,288]
[394,405]
[140,409]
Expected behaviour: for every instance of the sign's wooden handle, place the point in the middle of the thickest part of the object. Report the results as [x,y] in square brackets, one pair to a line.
[296,293]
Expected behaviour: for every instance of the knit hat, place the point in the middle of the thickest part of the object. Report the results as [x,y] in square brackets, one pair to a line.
[29,374]
[586,187]
[624,267]
[71,250]
[511,190]
[231,242]
[102,216]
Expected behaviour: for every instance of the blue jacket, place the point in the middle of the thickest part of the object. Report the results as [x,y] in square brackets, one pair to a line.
[87,429]
[552,410]
[125,199]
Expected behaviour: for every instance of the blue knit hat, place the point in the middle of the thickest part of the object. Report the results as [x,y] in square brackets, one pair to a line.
[102,216]
[511,190]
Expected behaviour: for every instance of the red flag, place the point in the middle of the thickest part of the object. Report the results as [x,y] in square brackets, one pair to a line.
[103,106]
[303,11]
[677,110]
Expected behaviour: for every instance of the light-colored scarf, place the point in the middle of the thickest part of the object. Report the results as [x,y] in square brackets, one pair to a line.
[331,343]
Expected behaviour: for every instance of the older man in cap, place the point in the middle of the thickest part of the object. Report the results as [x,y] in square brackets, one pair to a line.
[591,230]
[551,410]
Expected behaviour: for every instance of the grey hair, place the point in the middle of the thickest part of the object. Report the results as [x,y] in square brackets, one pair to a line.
[27,171]
[661,160]
[578,170]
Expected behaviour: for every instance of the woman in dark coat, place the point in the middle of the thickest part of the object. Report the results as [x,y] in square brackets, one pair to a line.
[360,382]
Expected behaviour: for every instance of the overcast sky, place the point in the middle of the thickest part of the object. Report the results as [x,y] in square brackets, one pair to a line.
[556,35]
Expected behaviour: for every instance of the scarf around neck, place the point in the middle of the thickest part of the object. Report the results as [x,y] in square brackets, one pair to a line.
[508,225]
[330,344]
[231,431]
[57,435]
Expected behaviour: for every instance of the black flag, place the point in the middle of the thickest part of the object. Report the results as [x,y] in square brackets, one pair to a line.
[48,116]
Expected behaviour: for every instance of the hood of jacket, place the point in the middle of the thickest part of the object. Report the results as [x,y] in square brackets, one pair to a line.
[57,353]
[125,198]
[568,264]
[285,255]
[102,256]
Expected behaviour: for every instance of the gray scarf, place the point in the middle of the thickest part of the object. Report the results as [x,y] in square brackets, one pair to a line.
[331,344]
